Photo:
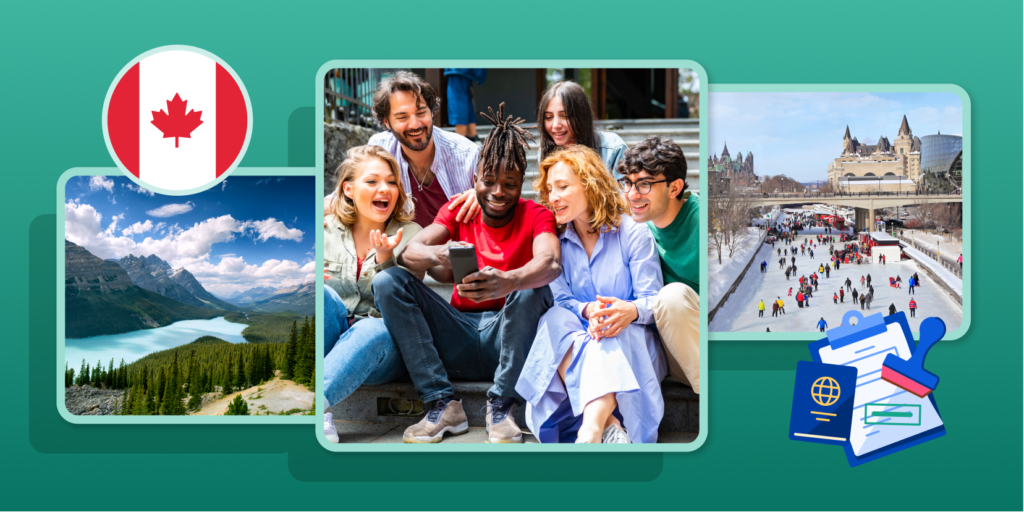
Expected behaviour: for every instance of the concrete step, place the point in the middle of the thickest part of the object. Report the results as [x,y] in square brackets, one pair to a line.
[378,433]
[397,403]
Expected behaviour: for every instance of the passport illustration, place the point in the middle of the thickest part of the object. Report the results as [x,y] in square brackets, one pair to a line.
[822,403]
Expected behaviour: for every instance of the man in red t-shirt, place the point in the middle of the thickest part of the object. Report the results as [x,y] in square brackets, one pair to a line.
[488,328]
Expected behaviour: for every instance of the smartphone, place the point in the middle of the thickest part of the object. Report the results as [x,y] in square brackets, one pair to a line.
[463,260]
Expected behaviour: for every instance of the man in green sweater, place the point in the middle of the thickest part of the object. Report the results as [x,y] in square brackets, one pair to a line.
[654,180]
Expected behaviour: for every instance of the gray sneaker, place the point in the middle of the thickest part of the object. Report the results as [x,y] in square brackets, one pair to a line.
[615,435]
[501,426]
[329,431]
[442,417]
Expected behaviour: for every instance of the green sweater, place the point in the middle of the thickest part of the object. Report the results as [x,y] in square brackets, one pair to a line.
[678,247]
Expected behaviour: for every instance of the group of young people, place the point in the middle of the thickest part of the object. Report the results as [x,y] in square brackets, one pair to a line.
[582,304]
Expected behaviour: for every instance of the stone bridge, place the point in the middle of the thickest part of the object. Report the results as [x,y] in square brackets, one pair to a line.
[865,204]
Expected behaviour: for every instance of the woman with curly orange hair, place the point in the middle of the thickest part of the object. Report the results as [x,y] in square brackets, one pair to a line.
[594,372]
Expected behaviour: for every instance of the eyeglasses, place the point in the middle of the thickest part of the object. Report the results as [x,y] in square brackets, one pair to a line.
[642,186]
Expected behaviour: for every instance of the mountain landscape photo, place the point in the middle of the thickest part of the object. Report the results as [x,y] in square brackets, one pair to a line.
[197,307]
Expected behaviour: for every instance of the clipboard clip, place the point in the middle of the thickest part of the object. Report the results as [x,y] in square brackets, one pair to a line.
[848,333]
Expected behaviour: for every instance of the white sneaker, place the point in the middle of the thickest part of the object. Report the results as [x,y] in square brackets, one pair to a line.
[329,430]
[615,435]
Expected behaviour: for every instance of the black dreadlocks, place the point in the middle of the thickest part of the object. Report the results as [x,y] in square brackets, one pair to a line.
[504,148]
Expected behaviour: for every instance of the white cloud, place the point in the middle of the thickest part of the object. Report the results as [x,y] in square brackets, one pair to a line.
[191,247]
[233,273]
[273,228]
[101,182]
[223,185]
[170,210]
[138,189]
[160,226]
[138,228]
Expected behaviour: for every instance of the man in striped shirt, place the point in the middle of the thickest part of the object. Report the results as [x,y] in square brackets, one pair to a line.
[436,165]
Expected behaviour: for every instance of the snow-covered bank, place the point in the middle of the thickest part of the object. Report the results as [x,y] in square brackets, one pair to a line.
[940,272]
[722,276]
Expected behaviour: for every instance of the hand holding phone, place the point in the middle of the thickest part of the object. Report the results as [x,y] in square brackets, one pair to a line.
[463,261]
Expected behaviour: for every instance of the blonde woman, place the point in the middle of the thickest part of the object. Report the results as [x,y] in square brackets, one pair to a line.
[594,371]
[363,234]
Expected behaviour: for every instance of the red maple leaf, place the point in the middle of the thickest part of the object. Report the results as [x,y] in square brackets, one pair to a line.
[176,123]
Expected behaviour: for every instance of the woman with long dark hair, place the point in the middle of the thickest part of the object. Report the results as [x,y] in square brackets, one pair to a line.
[564,117]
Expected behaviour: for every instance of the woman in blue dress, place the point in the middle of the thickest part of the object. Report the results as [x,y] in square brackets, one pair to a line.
[594,372]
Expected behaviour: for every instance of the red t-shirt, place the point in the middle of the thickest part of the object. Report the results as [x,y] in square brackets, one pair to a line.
[506,248]
[428,202]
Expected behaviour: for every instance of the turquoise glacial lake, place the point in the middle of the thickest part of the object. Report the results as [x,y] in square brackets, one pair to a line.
[136,344]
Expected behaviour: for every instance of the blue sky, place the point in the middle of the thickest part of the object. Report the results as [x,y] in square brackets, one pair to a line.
[799,134]
[248,231]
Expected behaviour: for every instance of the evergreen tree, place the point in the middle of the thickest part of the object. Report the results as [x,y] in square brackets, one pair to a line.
[289,355]
[239,372]
[140,405]
[173,394]
[122,377]
[268,365]
[195,400]
[161,385]
[229,379]
[238,407]
[152,404]
[97,377]
[305,356]
[82,374]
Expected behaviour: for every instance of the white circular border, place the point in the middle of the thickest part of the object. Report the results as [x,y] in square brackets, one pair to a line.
[248,130]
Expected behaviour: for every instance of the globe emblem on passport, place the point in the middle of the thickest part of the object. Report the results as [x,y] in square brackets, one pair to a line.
[825,391]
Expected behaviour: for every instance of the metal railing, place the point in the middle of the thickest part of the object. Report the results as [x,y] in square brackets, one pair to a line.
[953,268]
[348,95]
[826,195]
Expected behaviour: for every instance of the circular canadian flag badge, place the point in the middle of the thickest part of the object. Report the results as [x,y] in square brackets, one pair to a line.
[177,120]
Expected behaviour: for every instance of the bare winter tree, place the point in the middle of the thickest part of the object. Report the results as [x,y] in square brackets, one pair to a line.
[728,219]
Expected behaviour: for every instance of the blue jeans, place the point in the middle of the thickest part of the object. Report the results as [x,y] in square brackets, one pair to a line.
[460,101]
[438,341]
[361,354]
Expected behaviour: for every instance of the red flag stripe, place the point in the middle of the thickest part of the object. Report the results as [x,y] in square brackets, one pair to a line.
[232,120]
[123,120]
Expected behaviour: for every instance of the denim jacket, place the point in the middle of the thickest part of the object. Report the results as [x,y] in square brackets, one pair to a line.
[341,262]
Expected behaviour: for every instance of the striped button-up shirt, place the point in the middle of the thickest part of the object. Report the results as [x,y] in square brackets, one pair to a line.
[454,165]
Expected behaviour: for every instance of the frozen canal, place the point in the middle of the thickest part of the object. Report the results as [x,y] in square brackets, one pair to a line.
[739,313]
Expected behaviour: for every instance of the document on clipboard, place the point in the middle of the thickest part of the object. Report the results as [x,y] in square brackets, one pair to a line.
[886,419]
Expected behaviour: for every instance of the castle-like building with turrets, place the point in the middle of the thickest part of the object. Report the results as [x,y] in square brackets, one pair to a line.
[739,172]
[883,165]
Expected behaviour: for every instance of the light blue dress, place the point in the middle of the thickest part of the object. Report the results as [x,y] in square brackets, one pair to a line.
[624,265]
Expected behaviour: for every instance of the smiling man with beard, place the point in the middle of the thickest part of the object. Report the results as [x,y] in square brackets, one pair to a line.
[486,331]
[436,165]
[654,179]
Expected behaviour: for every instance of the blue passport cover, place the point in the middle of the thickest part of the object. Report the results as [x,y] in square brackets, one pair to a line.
[822,403]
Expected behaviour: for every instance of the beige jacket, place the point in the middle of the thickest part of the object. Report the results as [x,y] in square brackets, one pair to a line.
[341,262]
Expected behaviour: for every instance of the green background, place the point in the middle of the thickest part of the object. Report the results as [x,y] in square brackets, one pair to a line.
[59,59]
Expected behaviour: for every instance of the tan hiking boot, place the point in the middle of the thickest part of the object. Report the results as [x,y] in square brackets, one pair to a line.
[442,417]
[501,426]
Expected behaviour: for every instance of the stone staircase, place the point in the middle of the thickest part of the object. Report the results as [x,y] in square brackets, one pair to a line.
[379,413]
[396,403]
[685,132]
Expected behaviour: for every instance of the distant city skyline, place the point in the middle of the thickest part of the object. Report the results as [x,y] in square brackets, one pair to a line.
[800,134]
[246,232]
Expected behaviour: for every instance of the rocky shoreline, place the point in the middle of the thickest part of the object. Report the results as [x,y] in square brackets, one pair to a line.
[89,401]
